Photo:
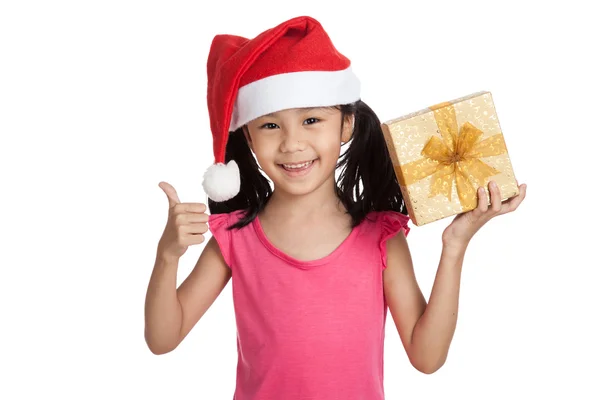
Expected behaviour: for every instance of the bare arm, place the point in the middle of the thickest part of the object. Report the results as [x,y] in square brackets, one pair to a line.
[163,312]
[171,312]
[426,329]
[435,329]
[201,288]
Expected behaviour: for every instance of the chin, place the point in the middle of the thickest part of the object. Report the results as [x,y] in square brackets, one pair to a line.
[295,190]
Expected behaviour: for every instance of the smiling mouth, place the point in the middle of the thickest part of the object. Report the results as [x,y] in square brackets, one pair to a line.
[297,166]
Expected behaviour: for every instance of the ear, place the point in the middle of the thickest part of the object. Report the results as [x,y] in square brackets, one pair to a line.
[347,128]
[248,138]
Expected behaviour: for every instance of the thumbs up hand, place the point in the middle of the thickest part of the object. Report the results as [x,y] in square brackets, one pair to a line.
[186,224]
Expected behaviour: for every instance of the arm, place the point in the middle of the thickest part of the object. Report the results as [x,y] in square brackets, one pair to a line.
[426,329]
[170,313]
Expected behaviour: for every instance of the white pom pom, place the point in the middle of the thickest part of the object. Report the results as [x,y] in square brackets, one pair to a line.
[222,182]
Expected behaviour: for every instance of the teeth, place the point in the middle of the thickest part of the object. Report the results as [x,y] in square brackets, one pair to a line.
[297,166]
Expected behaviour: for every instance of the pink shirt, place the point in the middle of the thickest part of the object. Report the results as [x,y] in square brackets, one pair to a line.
[309,329]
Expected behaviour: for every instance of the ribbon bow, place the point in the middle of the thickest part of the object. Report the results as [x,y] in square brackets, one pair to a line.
[454,158]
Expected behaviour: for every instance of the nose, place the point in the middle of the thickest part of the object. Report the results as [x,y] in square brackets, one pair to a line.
[294,139]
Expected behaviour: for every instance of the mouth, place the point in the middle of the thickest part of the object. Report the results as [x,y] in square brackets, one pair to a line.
[296,169]
[296,166]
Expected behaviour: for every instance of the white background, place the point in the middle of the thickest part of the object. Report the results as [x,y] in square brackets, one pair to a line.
[100,101]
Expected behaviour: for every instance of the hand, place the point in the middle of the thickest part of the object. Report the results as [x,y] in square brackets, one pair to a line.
[186,225]
[465,225]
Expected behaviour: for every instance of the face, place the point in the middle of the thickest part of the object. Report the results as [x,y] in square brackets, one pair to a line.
[298,149]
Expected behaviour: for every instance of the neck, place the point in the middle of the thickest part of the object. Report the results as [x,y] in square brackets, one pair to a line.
[322,201]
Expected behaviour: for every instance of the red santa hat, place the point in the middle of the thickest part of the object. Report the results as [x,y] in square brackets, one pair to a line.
[292,65]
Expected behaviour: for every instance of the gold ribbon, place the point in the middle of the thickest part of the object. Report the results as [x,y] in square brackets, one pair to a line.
[454,158]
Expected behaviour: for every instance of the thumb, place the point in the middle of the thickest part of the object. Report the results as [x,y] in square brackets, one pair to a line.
[170,192]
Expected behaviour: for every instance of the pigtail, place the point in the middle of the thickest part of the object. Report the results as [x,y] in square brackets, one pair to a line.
[255,189]
[367,163]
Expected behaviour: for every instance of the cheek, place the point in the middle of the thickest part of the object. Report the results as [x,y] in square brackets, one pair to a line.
[330,147]
[264,149]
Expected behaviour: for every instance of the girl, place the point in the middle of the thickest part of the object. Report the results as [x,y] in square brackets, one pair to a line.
[316,261]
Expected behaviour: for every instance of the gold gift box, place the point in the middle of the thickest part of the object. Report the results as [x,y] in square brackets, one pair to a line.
[443,153]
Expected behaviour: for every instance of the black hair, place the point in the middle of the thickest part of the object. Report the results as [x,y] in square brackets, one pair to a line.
[365,162]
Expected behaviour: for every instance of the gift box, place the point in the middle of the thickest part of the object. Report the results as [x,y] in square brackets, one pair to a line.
[444,153]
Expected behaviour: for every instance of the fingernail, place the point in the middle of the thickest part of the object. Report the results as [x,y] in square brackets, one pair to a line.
[494,185]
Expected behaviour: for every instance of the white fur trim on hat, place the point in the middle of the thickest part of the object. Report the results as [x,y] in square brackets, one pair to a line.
[294,90]
[222,182]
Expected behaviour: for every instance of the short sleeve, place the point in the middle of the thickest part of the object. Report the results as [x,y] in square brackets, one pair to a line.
[390,223]
[217,224]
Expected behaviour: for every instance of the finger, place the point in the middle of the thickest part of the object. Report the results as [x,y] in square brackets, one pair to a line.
[188,239]
[190,208]
[195,229]
[514,202]
[496,201]
[194,239]
[170,192]
[190,218]
[481,204]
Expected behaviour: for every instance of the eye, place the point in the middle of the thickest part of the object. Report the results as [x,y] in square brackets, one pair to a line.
[268,125]
[315,120]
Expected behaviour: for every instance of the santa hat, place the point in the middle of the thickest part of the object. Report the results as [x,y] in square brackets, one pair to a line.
[292,65]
